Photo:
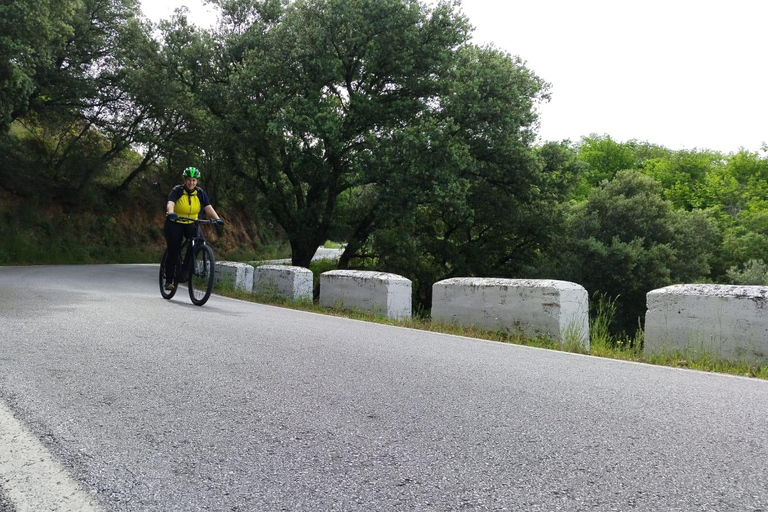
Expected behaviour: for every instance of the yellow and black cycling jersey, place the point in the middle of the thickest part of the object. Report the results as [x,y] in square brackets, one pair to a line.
[188,203]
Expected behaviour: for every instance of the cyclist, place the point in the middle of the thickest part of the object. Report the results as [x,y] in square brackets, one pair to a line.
[184,200]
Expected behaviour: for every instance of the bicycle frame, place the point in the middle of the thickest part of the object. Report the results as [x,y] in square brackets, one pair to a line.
[184,267]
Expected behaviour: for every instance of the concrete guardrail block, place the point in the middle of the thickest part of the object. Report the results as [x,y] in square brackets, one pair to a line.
[238,275]
[378,292]
[558,309]
[728,321]
[289,282]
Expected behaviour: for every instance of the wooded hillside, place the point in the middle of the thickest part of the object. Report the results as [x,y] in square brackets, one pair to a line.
[374,123]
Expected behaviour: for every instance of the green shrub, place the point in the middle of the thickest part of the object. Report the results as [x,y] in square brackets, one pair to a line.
[753,272]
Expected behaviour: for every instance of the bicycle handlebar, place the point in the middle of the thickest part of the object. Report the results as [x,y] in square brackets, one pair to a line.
[199,221]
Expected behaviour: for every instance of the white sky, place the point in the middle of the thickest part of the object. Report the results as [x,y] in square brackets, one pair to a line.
[680,73]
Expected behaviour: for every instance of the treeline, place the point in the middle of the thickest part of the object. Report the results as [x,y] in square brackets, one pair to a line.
[637,216]
[376,123]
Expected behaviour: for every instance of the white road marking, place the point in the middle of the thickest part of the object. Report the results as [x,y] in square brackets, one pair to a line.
[31,478]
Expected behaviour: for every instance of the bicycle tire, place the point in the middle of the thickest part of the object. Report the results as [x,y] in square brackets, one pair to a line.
[167,294]
[201,278]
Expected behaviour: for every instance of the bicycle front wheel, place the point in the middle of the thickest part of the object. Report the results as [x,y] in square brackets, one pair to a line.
[201,278]
[167,294]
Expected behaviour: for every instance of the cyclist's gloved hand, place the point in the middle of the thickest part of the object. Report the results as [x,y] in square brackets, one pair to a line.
[172,217]
[219,222]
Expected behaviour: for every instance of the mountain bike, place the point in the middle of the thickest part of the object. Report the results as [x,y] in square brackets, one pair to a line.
[197,270]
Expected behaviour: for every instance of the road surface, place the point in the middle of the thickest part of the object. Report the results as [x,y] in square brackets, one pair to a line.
[145,404]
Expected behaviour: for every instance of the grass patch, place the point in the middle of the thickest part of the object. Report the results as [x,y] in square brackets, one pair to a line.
[602,343]
[423,324]
[706,361]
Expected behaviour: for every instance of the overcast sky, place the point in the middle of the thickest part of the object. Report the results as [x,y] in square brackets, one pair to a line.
[680,73]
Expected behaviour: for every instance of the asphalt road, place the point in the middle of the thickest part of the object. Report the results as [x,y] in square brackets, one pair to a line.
[161,405]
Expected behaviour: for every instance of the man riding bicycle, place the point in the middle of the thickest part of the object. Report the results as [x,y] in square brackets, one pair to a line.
[184,200]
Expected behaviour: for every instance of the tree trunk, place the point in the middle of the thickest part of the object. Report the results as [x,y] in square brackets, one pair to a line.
[358,238]
[138,170]
[304,248]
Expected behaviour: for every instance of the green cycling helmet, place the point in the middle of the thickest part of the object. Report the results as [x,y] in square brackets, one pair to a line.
[191,172]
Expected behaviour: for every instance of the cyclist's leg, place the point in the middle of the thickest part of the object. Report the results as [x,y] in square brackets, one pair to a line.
[174,234]
[166,291]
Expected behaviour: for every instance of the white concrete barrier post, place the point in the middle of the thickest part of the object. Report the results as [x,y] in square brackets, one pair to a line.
[378,292]
[728,321]
[558,309]
[288,282]
[239,275]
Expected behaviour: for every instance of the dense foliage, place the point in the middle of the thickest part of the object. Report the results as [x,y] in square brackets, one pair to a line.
[376,123]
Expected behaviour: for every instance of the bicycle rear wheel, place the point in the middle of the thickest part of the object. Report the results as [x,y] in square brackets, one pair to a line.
[201,279]
[167,294]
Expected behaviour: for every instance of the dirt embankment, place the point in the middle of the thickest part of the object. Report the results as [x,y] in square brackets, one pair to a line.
[38,231]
